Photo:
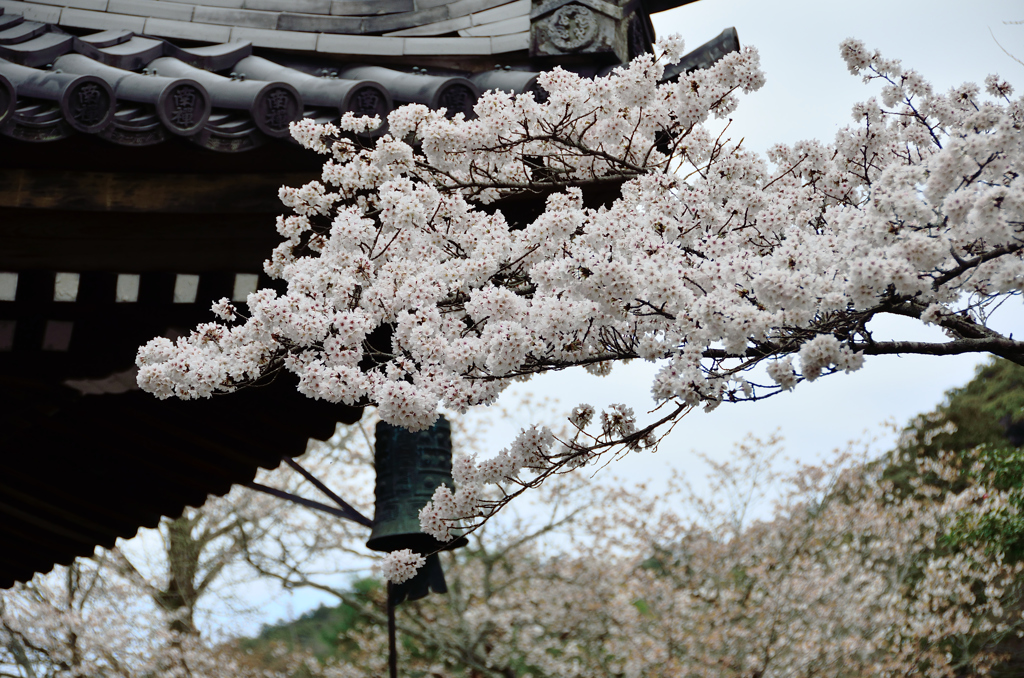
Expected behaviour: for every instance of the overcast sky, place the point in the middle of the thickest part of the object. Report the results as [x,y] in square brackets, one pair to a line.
[808,94]
[809,91]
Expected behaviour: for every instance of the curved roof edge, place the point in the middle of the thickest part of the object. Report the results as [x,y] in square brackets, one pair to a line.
[137,90]
[332,27]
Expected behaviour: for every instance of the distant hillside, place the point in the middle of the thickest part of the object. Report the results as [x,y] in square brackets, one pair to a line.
[988,410]
[321,631]
[982,423]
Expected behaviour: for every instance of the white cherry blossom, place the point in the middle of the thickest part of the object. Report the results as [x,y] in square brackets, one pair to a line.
[607,223]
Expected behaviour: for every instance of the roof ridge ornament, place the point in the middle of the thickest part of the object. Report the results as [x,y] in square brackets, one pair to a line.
[602,30]
[86,102]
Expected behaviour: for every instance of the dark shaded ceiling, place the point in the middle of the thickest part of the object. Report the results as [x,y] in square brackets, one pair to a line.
[78,471]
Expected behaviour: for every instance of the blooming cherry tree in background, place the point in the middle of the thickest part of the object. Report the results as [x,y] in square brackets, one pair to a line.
[416,278]
[841,578]
[87,620]
[845,575]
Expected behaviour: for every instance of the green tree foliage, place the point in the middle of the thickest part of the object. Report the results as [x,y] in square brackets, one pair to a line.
[987,411]
[325,632]
[981,427]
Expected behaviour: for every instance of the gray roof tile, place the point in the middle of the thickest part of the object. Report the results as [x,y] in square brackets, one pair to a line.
[85,102]
[276,39]
[80,18]
[22,31]
[132,54]
[360,44]
[502,44]
[301,6]
[96,5]
[9,20]
[181,105]
[45,13]
[463,7]
[38,51]
[152,8]
[447,46]
[363,97]
[506,11]
[394,22]
[370,7]
[212,58]
[438,28]
[319,23]
[234,4]
[270,105]
[168,28]
[235,17]
[105,38]
[517,24]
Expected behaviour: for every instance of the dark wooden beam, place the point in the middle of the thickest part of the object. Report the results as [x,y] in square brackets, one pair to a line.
[139,192]
[133,242]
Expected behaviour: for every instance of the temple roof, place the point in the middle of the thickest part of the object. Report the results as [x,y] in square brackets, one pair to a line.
[348,27]
[229,75]
[140,90]
[90,469]
[85,456]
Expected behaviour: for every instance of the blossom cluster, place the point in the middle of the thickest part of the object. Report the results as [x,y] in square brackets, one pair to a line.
[530,450]
[399,566]
[398,236]
[707,245]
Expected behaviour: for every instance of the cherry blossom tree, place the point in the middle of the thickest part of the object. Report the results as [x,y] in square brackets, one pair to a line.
[419,274]
[86,620]
[839,578]
[143,609]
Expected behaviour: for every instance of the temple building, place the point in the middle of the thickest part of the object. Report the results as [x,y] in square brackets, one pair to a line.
[142,143]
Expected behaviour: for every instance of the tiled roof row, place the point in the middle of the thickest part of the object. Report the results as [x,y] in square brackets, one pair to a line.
[356,27]
[140,90]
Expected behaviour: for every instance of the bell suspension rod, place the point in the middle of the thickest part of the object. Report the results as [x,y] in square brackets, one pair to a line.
[347,511]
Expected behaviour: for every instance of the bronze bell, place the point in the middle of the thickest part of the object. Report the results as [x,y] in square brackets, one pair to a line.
[410,466]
